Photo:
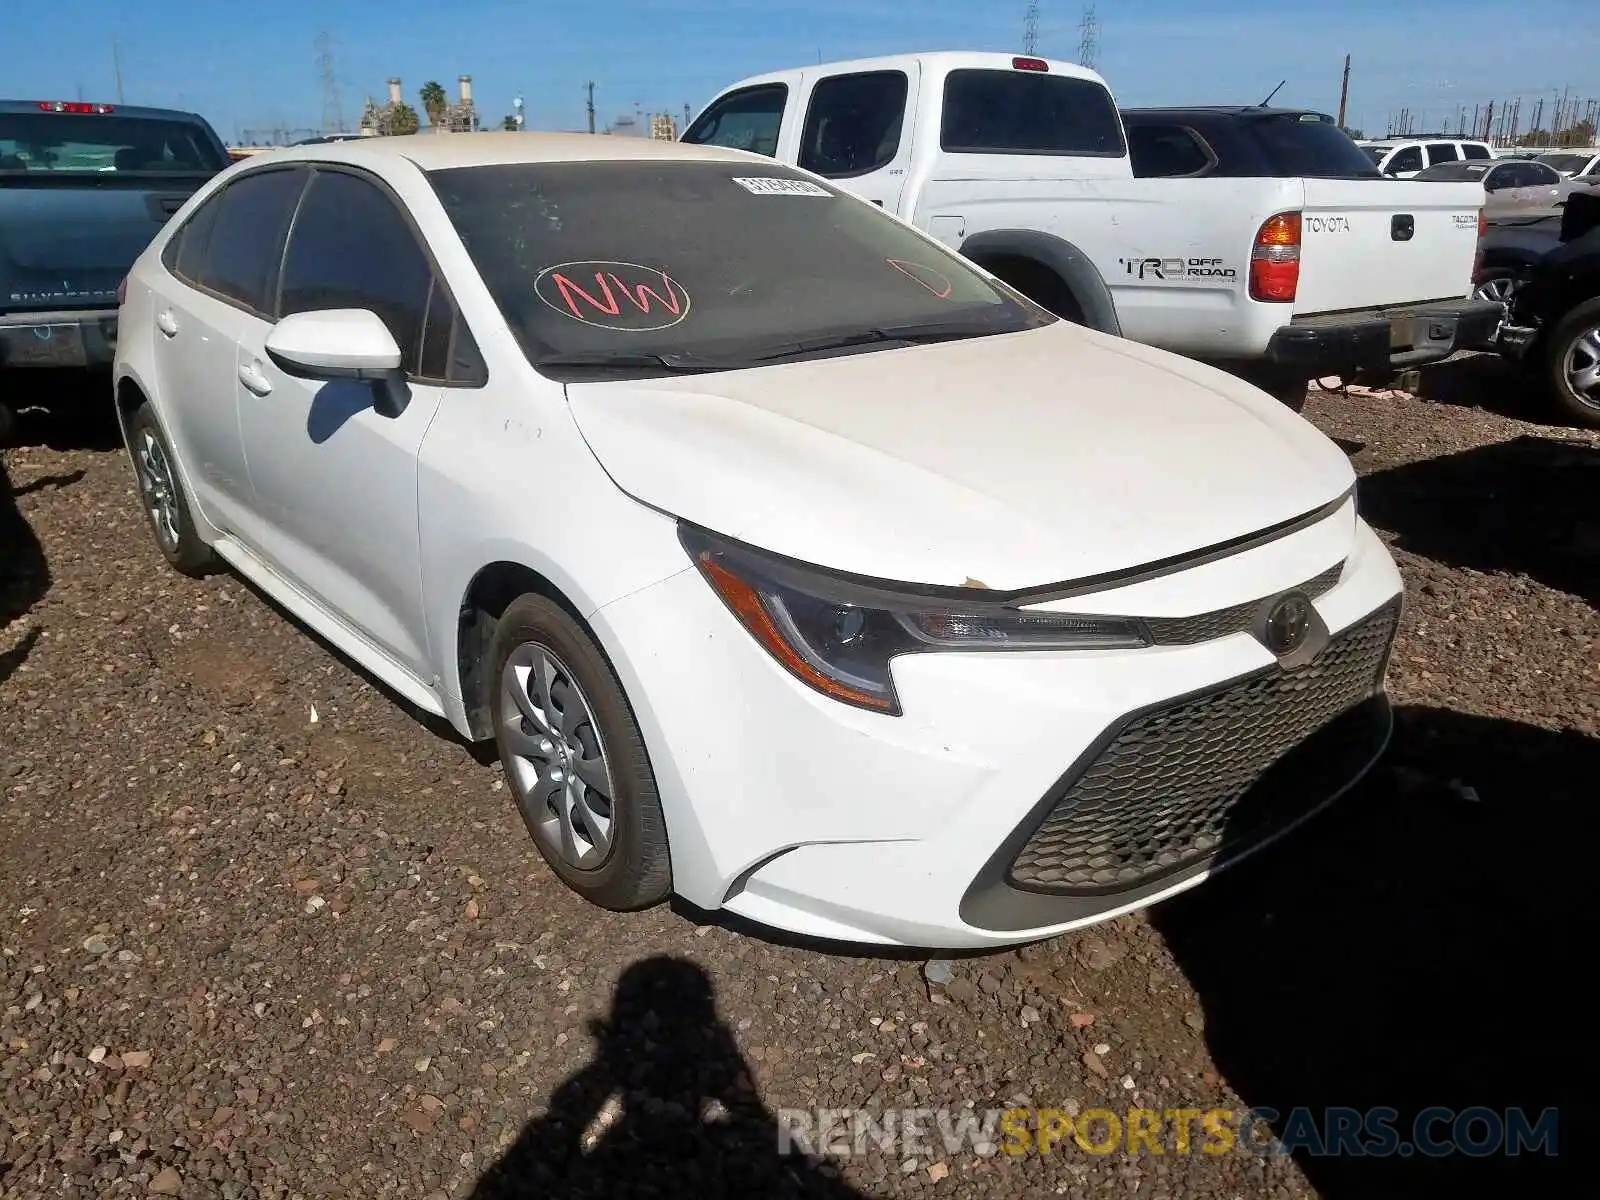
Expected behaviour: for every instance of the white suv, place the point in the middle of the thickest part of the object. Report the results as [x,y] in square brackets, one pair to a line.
[1403,159]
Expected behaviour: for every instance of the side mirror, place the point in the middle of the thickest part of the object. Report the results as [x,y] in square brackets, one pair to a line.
[342,343]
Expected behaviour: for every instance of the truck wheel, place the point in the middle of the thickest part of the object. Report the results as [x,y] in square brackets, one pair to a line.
[1572,363]
[162,496]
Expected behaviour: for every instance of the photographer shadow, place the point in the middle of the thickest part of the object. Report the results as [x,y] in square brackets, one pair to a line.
[667,1108]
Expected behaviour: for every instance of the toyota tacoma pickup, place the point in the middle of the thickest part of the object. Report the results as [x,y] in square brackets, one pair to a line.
[83,189]
[1022,164]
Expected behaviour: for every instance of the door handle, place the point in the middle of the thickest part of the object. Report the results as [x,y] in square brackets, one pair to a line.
[250,375]
[167,323]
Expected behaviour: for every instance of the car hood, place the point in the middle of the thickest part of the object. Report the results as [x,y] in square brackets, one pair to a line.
[1005,462]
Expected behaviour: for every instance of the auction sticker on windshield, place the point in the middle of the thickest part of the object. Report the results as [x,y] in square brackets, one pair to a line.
[770,186]
[623,296]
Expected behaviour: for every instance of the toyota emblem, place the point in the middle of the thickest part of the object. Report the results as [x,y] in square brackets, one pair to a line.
[1288,622]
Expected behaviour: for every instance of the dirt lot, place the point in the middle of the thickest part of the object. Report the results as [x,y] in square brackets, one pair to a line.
[265,934]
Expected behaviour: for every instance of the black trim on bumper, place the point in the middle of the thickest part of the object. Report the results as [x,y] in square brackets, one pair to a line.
[1382,339]
[98,328]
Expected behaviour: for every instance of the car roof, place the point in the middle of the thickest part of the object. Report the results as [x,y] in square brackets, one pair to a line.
[1223,110]
[443,151]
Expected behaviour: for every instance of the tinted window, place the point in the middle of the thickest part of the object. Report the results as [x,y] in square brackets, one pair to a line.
[1409,159]
[185,252]
[744,120]
[1475,150]
[1453,172]
[714,263]
[1568,163]
[351,248]
[247,236]
[1442,152]
[1163,151]
[1025,112]
[1375,153]
[853,125]
[1309,145]
[1541,175]
[41,142]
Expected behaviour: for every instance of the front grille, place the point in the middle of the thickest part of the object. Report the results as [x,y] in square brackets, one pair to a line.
[1170,787]
[1207,627]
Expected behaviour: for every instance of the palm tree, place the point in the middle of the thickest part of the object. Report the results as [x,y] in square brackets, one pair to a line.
[434,101]
[402,120]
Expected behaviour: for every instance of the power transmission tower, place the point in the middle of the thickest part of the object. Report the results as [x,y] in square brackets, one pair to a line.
[332,109]
[1030,28]
[1089,38]
[589,87]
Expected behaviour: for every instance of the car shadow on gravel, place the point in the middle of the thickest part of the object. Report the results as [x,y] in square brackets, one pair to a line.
[1416,947]
[1524,506]
[24,576]
[666,1108]
[1490,383]
[64,410]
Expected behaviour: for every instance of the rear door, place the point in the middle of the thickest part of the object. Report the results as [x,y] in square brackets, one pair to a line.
[1371,243]
[857,132]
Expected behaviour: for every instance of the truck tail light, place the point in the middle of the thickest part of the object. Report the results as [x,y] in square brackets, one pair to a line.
[1275,260]
[1030,64]
[68,106]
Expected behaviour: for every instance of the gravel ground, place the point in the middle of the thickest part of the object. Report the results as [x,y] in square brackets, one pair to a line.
[265,934]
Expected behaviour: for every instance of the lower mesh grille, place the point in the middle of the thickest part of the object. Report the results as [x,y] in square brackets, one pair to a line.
[1166,791]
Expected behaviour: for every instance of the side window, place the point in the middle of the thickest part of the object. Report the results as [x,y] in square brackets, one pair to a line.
[743,120]
[1409,159]
[351,248]
[1442,152]
[246,242]
[1166,151]
[1473,151]
[185,251]
[1543,175]
[853,124]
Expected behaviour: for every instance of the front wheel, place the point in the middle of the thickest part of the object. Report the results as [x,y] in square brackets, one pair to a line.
[575,759]
[162,496]
[1572,363]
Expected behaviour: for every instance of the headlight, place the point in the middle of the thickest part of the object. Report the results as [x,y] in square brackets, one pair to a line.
[838,635]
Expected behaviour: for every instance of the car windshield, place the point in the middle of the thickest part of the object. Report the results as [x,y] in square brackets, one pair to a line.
[1309,145]
[1452,171]
[1375,153]
[680,265]
[104,143]
[1566,163]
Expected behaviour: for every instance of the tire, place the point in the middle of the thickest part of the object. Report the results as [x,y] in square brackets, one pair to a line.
[1497,285]
[161,494]
[1572,356]
[578,716]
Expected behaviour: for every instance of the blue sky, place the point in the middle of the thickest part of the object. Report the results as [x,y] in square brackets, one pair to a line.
[247,65]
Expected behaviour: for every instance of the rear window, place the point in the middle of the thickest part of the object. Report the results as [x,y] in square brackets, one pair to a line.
[1025,112]
[1566,163]
[105,144]
[1309,145]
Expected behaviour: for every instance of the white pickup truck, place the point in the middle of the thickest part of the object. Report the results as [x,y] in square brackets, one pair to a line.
[1022,164]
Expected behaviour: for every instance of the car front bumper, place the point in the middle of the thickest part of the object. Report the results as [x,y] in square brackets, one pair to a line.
[70,338]
[1379,341]
[810,816]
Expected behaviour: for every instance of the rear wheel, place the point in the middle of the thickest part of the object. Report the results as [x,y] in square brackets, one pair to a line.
[575,759]
[1496,285]
[162,495]
[1572,363]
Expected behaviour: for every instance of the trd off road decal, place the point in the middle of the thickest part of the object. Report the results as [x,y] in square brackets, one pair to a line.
[1166,269]
[626,297]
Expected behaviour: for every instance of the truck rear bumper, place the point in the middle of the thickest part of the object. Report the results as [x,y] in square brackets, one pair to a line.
[1382,340]
[70,338]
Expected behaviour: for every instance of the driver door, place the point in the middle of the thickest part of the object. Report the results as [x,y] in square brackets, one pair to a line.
[335,482]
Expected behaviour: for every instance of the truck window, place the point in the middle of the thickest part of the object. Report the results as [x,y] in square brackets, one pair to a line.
[1475,150]
[49,142]
[1025,112]
[1167,151]
[1307,145]
[748,119]
[1409,159]
[854,122]
[1442,152]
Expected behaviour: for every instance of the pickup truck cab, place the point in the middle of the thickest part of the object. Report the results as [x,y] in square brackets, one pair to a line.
[83,190]
[1402,158]
[1022,165]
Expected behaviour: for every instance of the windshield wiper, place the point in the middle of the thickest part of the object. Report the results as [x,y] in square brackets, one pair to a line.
[678,364]
[910,335]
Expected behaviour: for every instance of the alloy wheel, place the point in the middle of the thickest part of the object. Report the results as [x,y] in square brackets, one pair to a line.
[1498,289]
[1581,366]
[559,772]
[160,493]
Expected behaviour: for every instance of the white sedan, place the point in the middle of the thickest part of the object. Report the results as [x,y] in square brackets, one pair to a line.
[795,565]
